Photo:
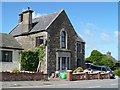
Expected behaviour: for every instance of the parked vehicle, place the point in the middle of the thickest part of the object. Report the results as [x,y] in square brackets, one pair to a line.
[95,68]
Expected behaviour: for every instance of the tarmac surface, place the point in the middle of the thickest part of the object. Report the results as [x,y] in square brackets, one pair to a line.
[60,83]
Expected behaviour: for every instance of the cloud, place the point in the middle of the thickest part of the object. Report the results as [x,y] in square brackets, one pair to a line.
[88,32]
[35,15]
[117,34]
[91,25]
[105,37]
[88,28]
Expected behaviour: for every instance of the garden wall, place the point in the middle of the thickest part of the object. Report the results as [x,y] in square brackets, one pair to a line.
[21,76]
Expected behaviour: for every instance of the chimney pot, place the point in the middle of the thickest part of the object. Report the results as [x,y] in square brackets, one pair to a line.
[28,8]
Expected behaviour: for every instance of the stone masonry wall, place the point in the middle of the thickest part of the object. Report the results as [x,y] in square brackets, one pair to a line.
[28,42]
[62,22]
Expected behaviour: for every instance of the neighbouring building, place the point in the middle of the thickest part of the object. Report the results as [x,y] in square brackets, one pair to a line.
[9,52]
[64,48]
[117,62]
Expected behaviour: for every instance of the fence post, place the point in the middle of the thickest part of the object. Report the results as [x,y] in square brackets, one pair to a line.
[99,75]
[69,75]
[86,75]
[45,77]
[78,76]
[108,75]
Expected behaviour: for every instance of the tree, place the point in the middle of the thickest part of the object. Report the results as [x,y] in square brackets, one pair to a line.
[95,57]
[107,61]
[41,53]
[98,58]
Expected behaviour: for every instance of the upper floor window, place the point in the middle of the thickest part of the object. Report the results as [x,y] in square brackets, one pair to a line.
[78,47]
[39,41]
[6,56]
[63,39]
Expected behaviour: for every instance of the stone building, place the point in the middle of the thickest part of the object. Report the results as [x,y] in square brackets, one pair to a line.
[64,48]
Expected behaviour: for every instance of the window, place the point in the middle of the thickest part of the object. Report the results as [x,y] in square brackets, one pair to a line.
[83,48]
[63,39]
[78,62]
[58,63]
[78,47]
[63,63]
[95,68]
[68,64]
[39,40]
[103,69]
[6,56]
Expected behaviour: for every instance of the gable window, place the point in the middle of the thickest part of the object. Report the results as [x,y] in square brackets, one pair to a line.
[6,56]
[39,40]
[63,39]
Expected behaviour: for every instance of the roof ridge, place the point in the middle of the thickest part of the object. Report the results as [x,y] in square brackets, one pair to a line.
[54,18]
[45,15]
[14,28]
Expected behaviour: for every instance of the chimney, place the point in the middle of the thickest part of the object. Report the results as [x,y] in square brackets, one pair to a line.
[26,18]
[20,18]
[109,53]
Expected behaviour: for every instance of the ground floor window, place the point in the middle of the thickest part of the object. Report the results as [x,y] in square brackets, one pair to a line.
[63,63]
[79,62]
[6,56]
[68,63]
[58,63]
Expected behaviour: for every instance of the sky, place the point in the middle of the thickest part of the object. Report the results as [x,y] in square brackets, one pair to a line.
[95,22]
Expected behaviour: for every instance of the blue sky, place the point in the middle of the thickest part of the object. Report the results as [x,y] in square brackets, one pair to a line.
[96,22]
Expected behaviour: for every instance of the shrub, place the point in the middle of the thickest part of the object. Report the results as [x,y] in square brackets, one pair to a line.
[29,60]
[15,70]
[117,72]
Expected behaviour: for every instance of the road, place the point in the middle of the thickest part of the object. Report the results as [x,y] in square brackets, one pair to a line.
[105,83]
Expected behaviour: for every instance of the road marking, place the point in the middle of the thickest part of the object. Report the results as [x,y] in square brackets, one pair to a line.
[94,87]
[113,84]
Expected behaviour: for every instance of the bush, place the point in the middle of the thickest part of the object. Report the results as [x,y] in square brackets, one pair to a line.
[117,72]
[29,60]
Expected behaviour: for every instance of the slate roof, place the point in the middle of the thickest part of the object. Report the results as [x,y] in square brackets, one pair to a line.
[8,41]
[40,24]
[78,38]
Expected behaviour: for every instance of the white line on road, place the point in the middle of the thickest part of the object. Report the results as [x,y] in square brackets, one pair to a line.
[94,87]
[113,84]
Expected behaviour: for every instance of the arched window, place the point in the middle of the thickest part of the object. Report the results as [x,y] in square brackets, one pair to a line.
[63,39]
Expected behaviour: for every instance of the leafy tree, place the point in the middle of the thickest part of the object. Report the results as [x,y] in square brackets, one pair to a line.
[98,58]
[107,61]
[95,57]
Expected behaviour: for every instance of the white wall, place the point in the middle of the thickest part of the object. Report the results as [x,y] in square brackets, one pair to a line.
[9,66]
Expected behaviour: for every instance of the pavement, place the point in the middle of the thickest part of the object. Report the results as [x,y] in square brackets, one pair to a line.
[61,83]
